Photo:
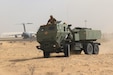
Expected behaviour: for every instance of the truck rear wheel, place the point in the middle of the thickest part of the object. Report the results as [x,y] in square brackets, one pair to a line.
[88,49]
[46,54]
[96,49]
[66,50]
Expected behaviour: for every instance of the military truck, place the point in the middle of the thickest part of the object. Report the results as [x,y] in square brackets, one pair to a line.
[59,37]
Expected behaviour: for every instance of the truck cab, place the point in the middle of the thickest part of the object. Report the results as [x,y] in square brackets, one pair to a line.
[51,37]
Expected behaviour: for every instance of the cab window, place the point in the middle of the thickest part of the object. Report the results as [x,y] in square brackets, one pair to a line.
[51,28]
[42,29]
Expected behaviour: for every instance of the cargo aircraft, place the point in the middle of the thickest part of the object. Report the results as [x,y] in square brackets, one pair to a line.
[24,34]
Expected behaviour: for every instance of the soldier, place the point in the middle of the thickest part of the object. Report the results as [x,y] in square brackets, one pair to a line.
[51,20]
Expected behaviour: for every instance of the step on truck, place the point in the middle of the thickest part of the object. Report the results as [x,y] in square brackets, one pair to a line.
[59,37]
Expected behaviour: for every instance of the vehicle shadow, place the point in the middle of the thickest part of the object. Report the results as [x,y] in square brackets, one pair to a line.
[20,60]
[34,58]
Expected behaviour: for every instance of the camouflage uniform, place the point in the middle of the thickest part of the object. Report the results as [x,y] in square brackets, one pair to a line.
[51,20]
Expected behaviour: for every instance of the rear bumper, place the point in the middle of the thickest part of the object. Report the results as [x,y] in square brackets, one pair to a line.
[49,46]
[49,49]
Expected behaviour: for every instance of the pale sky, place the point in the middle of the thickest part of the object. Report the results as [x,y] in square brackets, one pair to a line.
[98,13]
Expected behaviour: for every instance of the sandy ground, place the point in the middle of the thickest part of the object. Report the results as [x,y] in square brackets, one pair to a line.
[22,58]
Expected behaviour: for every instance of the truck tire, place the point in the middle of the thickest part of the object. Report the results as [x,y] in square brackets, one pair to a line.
[96,49]
[88,49]
[66,50]
[46,54]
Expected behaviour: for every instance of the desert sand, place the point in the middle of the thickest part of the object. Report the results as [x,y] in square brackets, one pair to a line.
[22,58]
